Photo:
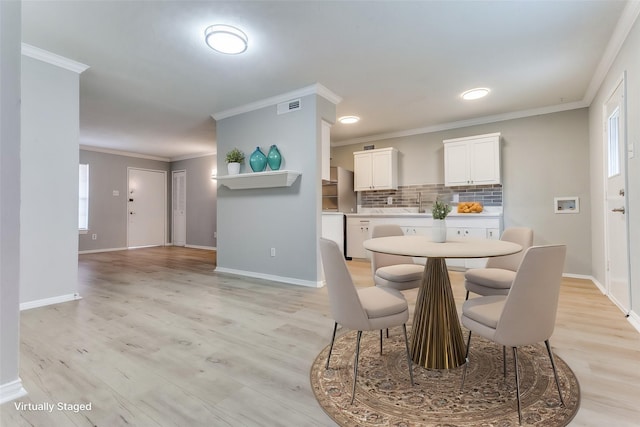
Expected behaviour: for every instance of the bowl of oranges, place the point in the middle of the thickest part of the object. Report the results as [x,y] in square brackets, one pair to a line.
[469,207]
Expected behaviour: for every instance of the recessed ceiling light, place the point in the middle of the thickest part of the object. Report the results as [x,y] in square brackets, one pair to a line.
[348,120]
[476,93]
[226,39]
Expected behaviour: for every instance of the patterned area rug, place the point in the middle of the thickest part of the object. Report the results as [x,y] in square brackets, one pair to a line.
[384,396]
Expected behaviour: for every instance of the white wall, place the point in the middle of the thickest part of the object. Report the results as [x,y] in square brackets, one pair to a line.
[108,214]
[49,177]
[251,222]
[10,383]
[628,59]
[542,157]
[201,200]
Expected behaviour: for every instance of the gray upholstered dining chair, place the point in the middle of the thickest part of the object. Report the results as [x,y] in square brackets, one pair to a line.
[496,278]
[525,316]
[363,309]
[394,271]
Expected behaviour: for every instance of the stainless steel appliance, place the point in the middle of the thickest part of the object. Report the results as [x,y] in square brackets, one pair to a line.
[337,193]
[338,198]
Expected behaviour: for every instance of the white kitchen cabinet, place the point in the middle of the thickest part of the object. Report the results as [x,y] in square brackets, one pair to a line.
[358,230]
[464,233]
[493,233]
[473,160]
[375,169]
[333,228]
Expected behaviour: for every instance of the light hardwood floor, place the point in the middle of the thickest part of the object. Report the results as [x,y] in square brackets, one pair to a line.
[159,339]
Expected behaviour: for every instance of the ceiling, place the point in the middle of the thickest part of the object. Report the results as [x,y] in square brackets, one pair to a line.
[153,84]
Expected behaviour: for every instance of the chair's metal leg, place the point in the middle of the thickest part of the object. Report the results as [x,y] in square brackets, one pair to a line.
[466,296]
[515,362]
[387,332]
[555,372]
[381,340]
[504,361]
[409,361]
[355,367]
[466,361]
[333,338]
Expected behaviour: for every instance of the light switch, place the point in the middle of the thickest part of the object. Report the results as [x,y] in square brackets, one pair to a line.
[116,193]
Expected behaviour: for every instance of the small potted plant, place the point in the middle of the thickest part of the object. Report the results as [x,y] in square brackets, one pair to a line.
[234,159]
[439,228]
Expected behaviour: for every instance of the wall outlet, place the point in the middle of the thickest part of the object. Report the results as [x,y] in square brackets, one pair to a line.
[94,237]
[215,234]
[273,251]
[389,200]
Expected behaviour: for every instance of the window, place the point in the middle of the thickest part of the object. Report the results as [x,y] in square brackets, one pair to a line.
[614,150]
[83,198]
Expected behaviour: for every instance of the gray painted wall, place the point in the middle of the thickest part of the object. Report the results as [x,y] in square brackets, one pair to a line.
[49,179]
[627,60]
[201,200]
[250,222]
[9,199]
[542,157]
[108,213]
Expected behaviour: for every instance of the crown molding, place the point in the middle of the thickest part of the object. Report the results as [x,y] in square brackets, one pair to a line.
[193,156]
[465,123]
[123,153]
[620,33]
[53,59]
[315,89]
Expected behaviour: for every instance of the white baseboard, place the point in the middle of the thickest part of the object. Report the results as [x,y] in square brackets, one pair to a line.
[586,277]
[282,279]
[11,391]
[206,248]
[48,301]
[95,251]
[634,319]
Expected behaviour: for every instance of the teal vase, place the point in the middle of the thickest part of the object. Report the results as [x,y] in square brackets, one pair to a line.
[274,159]
[258,161]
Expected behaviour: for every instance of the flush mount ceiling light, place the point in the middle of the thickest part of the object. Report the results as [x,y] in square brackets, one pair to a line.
[476,93]
[226,39]
[349,120]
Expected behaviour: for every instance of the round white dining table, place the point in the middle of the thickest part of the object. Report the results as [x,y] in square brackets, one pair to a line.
[436,336]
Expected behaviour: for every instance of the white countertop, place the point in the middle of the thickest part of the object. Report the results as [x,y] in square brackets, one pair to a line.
[489,211]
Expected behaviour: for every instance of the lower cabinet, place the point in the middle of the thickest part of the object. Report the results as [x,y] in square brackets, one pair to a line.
[473,233]
[360,227]
[357,232]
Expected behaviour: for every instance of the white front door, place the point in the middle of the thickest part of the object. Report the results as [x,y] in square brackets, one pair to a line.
[616,232]
[147,208]
[179,202]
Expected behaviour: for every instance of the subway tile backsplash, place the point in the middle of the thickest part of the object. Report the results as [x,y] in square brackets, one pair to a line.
[407,196]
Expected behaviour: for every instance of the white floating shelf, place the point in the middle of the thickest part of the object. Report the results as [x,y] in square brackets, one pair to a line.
[269,179]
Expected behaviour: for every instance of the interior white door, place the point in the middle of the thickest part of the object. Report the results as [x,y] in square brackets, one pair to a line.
[179,203]
[147,208]
[616,231]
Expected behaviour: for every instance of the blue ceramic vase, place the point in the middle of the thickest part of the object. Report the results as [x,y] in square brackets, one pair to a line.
[274,159]
[258,161]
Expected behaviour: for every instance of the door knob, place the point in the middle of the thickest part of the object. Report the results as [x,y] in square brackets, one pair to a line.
[621,192]
[621,210]
[131,213]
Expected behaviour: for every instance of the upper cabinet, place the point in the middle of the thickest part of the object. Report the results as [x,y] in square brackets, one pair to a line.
[375,169]
[473,160]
